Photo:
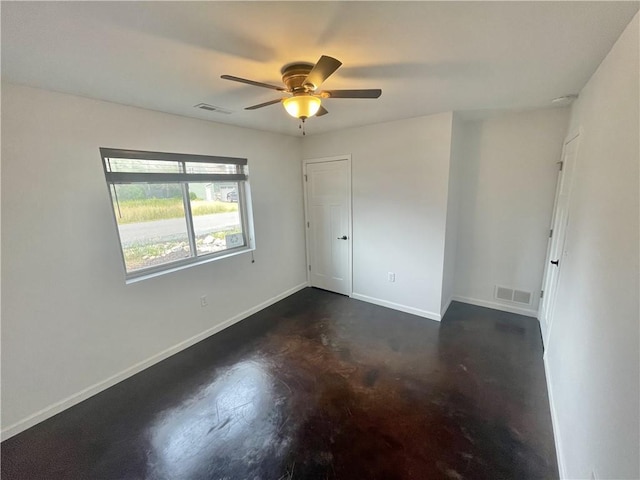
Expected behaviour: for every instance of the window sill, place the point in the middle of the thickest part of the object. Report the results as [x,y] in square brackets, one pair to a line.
[134,278]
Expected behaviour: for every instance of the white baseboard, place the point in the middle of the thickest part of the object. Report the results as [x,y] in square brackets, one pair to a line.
[90,391]
[397,306]
[554,420]
[497,306]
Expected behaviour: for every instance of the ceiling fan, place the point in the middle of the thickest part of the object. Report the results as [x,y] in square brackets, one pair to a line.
[302,81]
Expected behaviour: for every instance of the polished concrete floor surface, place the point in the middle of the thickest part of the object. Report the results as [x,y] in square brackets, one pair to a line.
[317,386]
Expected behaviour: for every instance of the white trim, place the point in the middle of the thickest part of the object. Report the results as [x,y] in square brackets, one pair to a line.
[554,420]
[90,391]
[572,135]
[550,294]
[337,158]
[446,307]
[397,306]
[306,222]
[497,306]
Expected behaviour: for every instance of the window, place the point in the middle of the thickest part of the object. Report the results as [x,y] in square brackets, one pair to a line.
[175,209]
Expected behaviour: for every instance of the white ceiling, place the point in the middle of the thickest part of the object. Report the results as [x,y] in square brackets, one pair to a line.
[427,57]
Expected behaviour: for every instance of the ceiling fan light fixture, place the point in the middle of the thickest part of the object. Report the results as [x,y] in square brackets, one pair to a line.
[302,106]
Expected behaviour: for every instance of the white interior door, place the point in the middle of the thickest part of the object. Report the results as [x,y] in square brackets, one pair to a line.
[556,250]
[328,202]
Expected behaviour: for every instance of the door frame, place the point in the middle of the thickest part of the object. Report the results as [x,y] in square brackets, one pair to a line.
[547,322]
[337,158]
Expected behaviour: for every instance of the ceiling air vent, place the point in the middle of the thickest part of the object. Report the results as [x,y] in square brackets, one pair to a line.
[212,108]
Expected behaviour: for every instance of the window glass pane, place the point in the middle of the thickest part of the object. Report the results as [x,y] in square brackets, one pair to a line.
[196,167]
[216,216]
[151,223]
[142,166]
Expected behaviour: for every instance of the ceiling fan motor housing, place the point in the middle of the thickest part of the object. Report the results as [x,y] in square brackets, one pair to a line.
[294,76]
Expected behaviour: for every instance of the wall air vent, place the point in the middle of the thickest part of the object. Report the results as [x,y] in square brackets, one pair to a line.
[522,297]
[512,295]
[504,293]
[212,108]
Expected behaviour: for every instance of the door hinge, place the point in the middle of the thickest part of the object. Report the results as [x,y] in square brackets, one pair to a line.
[561,165]
[307,224]
[551,233]
[305,177]
[541,293]
[309,267]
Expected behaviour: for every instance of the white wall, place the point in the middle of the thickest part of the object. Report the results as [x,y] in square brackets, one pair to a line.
[69,321]
[507,190]
[592,357]
[400,176]
[458,155]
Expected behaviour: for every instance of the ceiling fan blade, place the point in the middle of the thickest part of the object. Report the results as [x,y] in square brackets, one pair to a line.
[367,93]
[322,70]
[265,104]
[322,111]
[254,83]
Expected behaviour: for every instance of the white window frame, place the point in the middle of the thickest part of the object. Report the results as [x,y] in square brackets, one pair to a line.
[244,201]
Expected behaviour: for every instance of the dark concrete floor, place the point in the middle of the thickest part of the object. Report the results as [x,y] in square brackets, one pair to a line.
[318,386]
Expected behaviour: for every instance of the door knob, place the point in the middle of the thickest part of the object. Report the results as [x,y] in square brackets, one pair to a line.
[344,237]
[555,262]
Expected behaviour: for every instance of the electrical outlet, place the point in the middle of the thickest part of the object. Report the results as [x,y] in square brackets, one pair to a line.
[392,277]
[203,301]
